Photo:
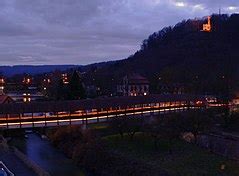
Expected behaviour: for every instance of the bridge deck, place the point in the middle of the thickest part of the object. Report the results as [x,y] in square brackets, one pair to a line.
[91,111]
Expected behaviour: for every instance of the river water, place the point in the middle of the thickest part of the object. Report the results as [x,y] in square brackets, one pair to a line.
[49,158]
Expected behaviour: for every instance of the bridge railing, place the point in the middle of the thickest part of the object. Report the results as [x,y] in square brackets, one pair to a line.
[40,119]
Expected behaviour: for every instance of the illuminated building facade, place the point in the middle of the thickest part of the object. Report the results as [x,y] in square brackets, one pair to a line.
[2,85]
[45,85]
[133,85]
[65,78]
[25,89]
[27,80]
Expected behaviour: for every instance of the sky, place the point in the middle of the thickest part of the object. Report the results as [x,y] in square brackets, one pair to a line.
[37,32]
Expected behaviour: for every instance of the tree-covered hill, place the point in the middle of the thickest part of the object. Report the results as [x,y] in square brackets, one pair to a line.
[185,54]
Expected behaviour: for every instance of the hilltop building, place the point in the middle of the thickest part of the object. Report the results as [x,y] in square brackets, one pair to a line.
[133,85]
[207,27]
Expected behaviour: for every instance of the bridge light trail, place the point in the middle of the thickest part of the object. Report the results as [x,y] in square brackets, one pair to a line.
[44,114]
[95,117]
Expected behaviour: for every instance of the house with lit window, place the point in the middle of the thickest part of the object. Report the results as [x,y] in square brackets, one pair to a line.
[24,89]
[2,85]
[133,85]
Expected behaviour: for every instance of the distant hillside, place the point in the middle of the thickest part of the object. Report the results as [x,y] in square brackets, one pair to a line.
[33,70]
[30,69]
[185,54]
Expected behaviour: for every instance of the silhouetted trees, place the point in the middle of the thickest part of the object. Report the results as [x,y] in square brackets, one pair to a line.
[164,128]
[76,89]
[127,125]
[197,122]
[205,63]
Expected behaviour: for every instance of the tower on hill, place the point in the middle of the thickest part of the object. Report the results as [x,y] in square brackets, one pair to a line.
[207,27]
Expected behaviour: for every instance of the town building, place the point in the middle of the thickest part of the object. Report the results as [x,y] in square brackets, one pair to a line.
[133,85]
[2,85]
[23,89]
[173,88]
[4,99]
[65,78]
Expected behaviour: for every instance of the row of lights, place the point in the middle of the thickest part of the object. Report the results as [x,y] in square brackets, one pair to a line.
[135,94]
[26,97]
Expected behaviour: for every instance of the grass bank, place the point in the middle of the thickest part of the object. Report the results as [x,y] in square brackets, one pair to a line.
[185,159]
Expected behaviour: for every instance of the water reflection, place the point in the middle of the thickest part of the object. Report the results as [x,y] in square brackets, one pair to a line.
[49,158]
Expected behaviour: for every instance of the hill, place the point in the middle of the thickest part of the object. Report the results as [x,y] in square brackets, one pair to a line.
[30,69]
[185,54]
[34,70]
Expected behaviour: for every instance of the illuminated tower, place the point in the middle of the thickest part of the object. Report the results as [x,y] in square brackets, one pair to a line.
[207,27]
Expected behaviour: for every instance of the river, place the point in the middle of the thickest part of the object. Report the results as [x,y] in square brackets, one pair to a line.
[46,156]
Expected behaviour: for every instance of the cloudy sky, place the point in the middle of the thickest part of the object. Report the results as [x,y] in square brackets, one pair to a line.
[88,31]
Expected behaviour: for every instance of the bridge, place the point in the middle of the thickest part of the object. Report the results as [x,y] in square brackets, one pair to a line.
[61,113]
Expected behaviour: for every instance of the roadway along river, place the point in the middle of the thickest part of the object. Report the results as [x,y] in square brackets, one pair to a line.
[49,158]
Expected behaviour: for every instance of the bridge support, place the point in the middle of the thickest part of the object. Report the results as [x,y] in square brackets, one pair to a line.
[20,117]
[33,121]
[57,116]
[7,117]
[45,120]
[70,118]
[107,118]
[97,116]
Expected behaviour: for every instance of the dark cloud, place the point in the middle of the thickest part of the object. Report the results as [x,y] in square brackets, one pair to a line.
[86,31]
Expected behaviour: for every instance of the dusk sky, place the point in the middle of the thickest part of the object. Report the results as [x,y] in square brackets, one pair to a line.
[88,31]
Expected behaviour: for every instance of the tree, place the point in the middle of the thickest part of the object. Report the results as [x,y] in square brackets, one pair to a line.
[128,125]
[233,122]
[133,125]
[76,89]
[61,91]
[164,127]
[197,122]
[117,124]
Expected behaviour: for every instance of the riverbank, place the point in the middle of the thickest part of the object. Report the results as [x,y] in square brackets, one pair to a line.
[12,161]
[46,156]
[185,158]
[87,149]
[223,144]
[114,155]
[103,151]
[15,165]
